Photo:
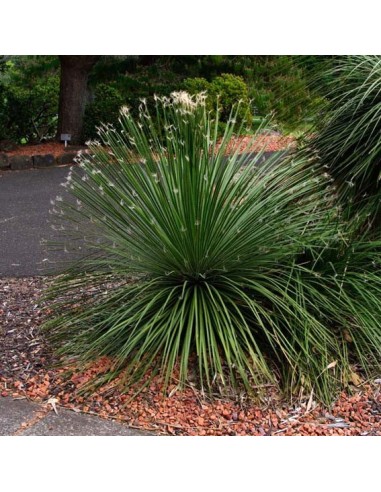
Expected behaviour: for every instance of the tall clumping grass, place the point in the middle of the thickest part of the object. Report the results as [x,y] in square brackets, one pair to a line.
[347,136]
[346,143]
[195,255]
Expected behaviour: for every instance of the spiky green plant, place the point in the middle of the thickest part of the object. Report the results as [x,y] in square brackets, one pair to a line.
[192,253]
[347,137]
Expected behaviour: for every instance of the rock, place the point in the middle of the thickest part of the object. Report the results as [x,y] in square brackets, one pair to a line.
[18,162]
[67,158]
[46,160]
[7,145]
[4,161]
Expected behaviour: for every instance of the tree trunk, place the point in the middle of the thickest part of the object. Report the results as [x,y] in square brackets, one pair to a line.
[73,93]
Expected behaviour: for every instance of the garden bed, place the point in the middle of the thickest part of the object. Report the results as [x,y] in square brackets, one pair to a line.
[27,371]
[56,154]
[54,148]
[38,156]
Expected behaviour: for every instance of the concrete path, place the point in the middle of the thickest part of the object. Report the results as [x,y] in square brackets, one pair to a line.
[24,212]
[24,418]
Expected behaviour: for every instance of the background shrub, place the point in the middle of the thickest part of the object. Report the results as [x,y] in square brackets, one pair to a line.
[275,84]
[227,91]
[31,114]
[104,107]
[29,90]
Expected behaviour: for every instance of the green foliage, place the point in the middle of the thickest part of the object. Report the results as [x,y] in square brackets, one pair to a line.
[195,254]
[231,90]
[226,91]
[275,84]
[346,138]
[28,99]
[105,106]
[198,84]
[3,63]
[279,85]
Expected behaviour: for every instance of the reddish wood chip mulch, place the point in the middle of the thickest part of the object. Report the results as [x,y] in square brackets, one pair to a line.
[25,370]
[54,148]
[268,143]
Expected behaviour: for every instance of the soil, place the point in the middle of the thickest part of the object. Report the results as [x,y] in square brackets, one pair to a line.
[27,369]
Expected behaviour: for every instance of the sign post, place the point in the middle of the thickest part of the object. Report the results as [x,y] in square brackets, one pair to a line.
[65,137]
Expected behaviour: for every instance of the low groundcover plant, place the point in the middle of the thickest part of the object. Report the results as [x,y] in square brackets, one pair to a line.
[195,255]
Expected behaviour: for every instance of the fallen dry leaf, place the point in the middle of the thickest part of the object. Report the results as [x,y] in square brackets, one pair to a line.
[53,402]
[355,378]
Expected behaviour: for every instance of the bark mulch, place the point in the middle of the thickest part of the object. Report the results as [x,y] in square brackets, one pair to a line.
[53,148]
[268,142]
[26,370]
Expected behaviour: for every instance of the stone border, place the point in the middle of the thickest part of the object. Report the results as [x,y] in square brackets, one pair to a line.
[38,161]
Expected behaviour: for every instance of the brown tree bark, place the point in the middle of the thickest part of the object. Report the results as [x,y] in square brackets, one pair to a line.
[75,71]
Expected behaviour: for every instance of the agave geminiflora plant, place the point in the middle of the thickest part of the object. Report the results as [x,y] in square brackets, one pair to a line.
[194,253]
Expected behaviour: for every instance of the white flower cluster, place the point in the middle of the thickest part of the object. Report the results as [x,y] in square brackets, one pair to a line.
[188,102]
[125,111]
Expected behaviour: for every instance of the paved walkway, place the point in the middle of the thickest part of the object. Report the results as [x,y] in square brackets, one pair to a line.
[24,213]
[20,417]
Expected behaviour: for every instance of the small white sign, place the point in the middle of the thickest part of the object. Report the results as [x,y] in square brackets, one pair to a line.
[65,137]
